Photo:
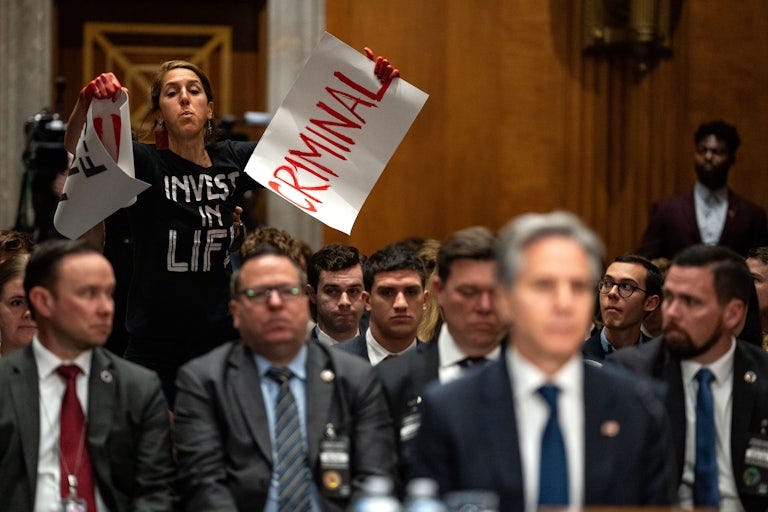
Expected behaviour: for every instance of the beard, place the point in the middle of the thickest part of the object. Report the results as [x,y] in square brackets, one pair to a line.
[680,344]
[714,179]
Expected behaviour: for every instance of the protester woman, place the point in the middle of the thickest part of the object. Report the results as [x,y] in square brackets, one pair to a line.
[185,224]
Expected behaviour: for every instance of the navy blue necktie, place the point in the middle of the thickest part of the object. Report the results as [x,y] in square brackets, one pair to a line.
[705,490]
[553,471]
[293,475]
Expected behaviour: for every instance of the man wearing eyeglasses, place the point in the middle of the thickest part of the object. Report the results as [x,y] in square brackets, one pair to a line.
[629,290]
[711,213]
[275,422]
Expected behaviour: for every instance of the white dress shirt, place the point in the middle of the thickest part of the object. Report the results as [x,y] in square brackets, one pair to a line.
[325,339]
[451,355]
[52,387]
[711,208]
[377,353]
[532,413]
[722,393]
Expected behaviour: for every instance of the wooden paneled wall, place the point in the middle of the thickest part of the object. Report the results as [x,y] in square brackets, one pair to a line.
[519,119]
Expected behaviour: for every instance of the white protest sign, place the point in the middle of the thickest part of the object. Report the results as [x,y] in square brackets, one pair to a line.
[101,179]
[334,133]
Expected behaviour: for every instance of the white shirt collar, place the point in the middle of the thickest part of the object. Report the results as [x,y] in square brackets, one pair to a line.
[325,339]
[527,378]
[377,353]
[450,353]
[47,361]
[702,192]
[722,368]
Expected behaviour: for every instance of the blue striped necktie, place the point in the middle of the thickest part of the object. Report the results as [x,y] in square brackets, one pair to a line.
[553,469]
[705,489]
[293,475]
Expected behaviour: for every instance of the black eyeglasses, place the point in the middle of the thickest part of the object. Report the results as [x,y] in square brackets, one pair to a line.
[262,295]
[605,286]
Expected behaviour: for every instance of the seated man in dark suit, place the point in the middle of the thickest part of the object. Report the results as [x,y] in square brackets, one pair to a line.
[336,292]
[710,213]
[276,422]
[470,335]
[629,290]
[539,426]
[394,279]
[717,395]
[79,426]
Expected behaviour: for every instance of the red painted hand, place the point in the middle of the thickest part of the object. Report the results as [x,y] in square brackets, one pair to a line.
[383,70]
[106,85]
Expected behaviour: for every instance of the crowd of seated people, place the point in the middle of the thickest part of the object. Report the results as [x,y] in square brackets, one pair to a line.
[517,392]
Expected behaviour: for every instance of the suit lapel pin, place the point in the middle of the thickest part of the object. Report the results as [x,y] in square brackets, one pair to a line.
[106,377]
[750,377]
[610,428]
[327,375]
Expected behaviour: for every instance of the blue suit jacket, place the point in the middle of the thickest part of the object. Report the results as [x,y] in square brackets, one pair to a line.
[593,347]
[468,439]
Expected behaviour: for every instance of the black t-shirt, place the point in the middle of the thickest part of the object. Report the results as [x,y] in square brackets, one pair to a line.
[182,227]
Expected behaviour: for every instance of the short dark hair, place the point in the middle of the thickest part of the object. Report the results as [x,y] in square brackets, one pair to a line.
[653,278]
[721,130]
[731,276]
[476,243]
[264,249]
[332,258]
[396,256]
[759,253]
[45,261]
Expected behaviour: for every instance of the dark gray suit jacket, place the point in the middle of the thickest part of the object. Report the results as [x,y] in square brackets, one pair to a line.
[468,439]
[404,379]
[356,345]
[750,400]
[222,433]
[128,434]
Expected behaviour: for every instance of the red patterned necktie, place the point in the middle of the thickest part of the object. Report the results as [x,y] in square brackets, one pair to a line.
[74,457]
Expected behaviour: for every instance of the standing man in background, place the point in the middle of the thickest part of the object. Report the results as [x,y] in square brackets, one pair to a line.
[711,213]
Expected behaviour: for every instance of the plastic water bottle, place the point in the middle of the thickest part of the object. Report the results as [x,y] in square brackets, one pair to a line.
[377,496]
[421,496]
[472,500]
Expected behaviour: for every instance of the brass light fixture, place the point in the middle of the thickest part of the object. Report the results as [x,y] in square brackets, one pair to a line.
[637,29]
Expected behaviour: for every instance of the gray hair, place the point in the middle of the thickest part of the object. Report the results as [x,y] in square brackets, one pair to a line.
[525,229]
